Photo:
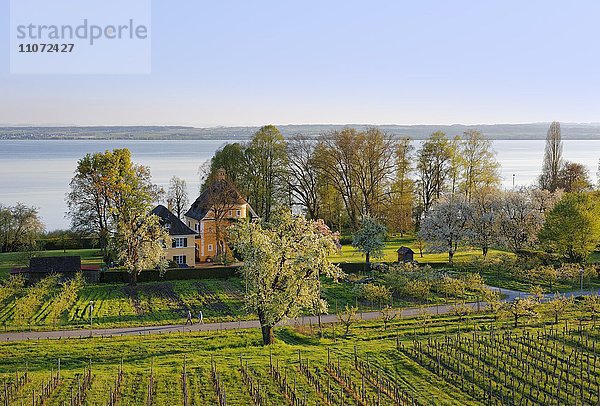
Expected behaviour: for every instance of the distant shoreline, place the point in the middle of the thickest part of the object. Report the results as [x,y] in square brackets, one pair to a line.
[531,131]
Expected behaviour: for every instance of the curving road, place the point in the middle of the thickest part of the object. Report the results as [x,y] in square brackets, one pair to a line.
[509,295]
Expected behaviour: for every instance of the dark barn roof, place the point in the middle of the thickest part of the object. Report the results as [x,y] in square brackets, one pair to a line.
[171,222]
[403,250]
[65,264]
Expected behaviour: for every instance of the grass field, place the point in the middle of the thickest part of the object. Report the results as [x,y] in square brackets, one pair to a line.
[476,364]
[349,254]
[9,260]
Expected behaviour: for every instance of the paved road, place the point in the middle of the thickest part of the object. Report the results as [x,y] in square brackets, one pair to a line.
[234,325]
[230,325]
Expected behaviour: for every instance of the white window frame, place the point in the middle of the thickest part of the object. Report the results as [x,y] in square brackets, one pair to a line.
[210,248]
[238,213]
[180,259]
[179,242]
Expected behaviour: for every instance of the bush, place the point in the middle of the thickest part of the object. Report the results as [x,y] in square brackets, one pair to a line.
[376,293]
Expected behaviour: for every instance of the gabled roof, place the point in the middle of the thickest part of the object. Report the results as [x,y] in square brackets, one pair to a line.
[171,222]
[403,250]
[222,188]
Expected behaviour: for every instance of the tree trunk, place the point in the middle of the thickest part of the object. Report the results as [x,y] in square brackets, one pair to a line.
[368,261]
[484,251]
[267,334]
[450,256]
[133,278]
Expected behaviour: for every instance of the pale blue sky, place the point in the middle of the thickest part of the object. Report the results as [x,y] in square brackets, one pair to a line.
[404,62]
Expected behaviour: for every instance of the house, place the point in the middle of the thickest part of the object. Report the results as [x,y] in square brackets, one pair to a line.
[181,249]
[220,205]
[405,254]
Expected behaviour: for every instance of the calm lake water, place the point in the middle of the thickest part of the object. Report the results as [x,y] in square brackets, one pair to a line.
[37,173]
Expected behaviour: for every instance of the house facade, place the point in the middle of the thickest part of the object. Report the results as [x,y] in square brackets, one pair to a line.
[182,248]
[219,206]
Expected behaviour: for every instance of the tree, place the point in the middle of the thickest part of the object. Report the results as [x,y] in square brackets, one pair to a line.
[304,177]
[519,221]
[461,310]
[348,317]
[140,243]
[104,186]
[521,308]
[221,197]
[177,195]
[445,227]
[572,228]
[360,166]
[283,258]
[232,158]
[483,221]
[387,315]
[574,177]
[267,163]
[559,305]
[549,179]
[376,293]
[20,226]
[591,304]
[399,213]
[479,165]
[370,239]
[492,298]
[433,160]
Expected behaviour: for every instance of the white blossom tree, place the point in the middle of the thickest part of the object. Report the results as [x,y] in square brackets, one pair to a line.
[445,226]
[370,239]
[141,242]
[483,221]
[283,259]
[519,220]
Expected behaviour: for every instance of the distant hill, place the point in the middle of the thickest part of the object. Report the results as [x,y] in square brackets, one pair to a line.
[493,131]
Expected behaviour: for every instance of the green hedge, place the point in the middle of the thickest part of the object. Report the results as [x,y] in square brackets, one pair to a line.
[171,274]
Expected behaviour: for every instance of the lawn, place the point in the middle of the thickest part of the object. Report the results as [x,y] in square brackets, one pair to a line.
[349,253]
[369,366]
[9,260]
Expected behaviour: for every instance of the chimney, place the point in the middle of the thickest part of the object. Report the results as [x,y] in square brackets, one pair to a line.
[170,205]
[221,174]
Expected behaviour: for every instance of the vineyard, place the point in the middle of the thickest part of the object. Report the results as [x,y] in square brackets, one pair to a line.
[476,361]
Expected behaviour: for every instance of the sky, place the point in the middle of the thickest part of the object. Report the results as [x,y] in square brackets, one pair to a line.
[314,62]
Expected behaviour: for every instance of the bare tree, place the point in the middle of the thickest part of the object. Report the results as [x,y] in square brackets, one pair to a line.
[303,175]
[433,162]
[552,158]
[479,165]
[348,317]
[177,195]
[360,165]
[221,199]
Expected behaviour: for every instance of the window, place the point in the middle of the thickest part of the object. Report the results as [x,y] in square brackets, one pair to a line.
[230,213]
[196,226]
[180,259]
[210,247]
[179,242]
[238,213]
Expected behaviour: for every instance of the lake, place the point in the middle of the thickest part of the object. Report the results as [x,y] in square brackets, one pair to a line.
[37,172]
